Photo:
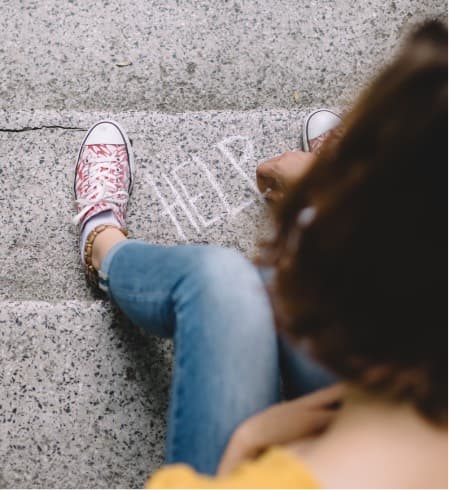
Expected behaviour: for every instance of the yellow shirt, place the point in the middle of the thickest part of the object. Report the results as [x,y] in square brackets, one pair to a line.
[276,468]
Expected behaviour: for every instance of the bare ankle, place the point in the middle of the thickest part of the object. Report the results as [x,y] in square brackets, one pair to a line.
[103,244]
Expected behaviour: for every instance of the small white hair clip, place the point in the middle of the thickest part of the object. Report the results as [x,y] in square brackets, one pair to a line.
[306,216]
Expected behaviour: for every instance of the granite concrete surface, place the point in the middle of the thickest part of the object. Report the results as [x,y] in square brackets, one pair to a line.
[83,397]
[196,55]
[206,89]
[195,183]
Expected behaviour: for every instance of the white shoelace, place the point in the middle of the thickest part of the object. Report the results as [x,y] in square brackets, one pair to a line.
[104,190]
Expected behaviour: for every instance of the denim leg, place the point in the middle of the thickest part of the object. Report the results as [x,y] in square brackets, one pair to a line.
[214,304]
[300,373]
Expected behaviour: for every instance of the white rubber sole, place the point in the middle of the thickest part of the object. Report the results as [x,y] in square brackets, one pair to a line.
[128,149]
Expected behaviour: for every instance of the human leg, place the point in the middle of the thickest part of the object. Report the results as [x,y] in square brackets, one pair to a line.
[210,299]
[213,302]
[300,373]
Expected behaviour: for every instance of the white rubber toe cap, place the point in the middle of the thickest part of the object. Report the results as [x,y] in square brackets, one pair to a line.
[105,133]
[320,122]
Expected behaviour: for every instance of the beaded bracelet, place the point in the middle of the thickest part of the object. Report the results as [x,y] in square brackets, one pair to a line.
[91,272]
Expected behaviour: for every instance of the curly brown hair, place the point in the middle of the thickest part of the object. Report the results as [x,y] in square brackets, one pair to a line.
[361,243]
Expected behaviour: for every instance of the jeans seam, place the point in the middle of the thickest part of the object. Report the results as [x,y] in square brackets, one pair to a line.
[176,395]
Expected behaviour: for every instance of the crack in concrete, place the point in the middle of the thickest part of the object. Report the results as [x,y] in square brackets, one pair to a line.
[39,128]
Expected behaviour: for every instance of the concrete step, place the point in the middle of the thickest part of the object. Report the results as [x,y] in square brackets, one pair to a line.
[83,398]
[190,55]
[195,182]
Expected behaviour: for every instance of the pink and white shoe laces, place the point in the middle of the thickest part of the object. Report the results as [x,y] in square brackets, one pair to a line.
[102,182]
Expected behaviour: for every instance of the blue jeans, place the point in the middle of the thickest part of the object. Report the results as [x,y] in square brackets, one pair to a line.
[214,304]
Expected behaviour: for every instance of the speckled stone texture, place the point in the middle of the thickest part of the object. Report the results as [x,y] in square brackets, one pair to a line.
[195,55]
[82,397]
[195,182]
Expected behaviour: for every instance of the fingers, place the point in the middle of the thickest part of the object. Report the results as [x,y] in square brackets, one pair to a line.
[267,168]
[326,396]
[319,420]
[266,175]
[236,452]
[281,424]
[282,172]
[268,180]
[228,462]
[274,195]
[266,184]
[274,427]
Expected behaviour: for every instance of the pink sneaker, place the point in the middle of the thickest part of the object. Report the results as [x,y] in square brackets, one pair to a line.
[104,173]
[317,127]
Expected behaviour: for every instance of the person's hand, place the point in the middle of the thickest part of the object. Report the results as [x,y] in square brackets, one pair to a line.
[277,175]
[281,424]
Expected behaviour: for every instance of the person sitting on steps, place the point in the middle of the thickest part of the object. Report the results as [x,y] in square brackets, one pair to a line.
[358,297]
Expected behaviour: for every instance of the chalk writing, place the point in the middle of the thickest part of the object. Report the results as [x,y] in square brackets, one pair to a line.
[169,208]
[187,202]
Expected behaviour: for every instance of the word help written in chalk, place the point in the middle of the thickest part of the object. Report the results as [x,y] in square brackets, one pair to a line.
[191,203]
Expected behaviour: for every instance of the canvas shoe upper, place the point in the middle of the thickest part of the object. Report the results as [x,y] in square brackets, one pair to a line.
[104,173]
[317,127]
